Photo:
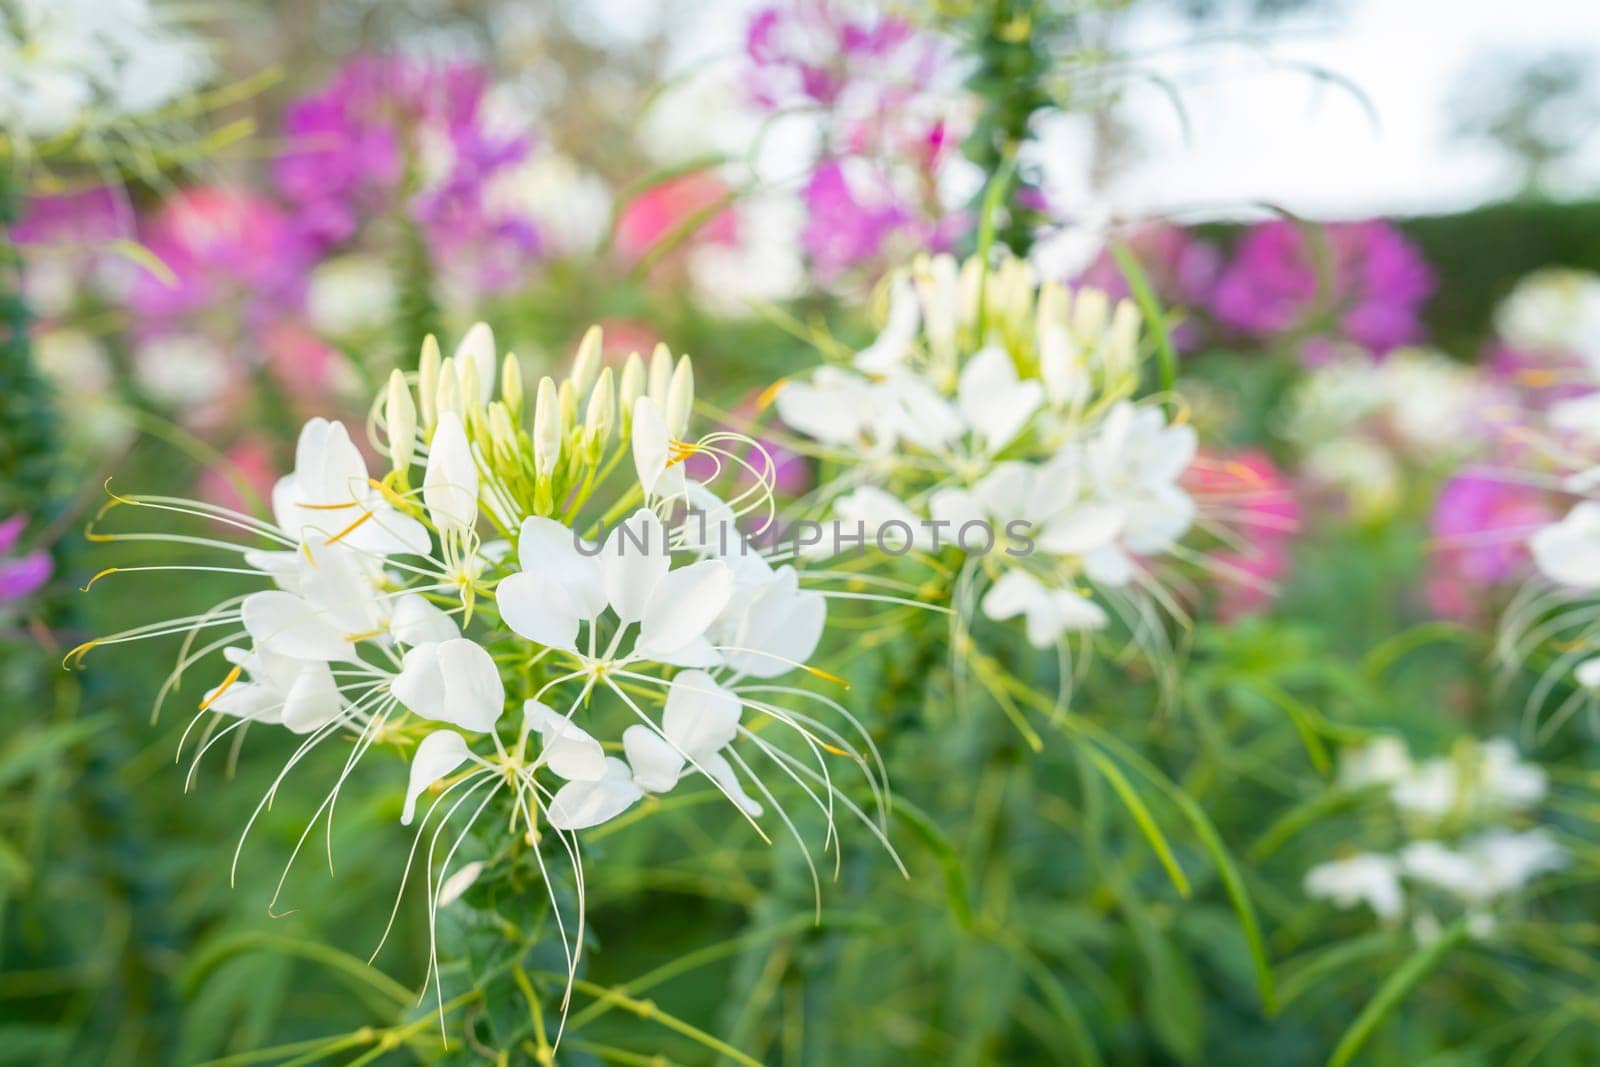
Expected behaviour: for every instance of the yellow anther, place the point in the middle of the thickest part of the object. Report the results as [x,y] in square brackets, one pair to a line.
[1538,377]
[678,451]
[79,652]
[820,673]
[388,492]
[326,507]
[368,635]
[96,578]
[365,515]
[233,676]
[305,550]
[770,394]
[834,750]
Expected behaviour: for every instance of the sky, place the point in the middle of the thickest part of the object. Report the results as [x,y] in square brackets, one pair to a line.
[1262,129]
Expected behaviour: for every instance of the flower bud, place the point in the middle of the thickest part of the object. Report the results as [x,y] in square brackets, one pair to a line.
[1122,339]
[428,381]
[586,364]
[1089,313]
[597,420]
[447,394]
[400,419]
[660,374]
[476,351]
[630,387]
[547,429]
[502,432]
[680,398]
[511,386]
[469,387]
[567,393]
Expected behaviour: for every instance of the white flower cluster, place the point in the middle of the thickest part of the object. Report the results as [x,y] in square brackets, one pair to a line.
[1465,797]
[71,63]
[390,620]
[988,400]
[1361,426]
[1554,316]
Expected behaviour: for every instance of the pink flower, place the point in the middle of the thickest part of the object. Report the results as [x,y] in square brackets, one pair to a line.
[1251,499]
[660,211]
[250,461]
[23,575]
[230,252]
[1480,524]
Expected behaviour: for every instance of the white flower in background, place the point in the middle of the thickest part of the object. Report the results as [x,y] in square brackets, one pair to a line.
[1485,867]
[351,295]
[1462,796]
[1381,761]
[182,372]
[992,413]
[71,63]
[1366,878]
[1554,311]
[1486,777]
[1568,551]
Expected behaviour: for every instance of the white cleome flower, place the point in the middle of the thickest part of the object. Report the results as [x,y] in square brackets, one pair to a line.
[71,63]
[1568,551]
[1366,878]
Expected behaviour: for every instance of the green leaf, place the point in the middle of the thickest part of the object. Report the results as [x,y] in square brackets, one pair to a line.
[1145,297]
[1394,990]
[1141,815]
[955,879]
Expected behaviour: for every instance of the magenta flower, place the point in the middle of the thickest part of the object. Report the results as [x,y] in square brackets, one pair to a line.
[662,210]
[392,136]
[843,228]
[230,252]
[1480,524]
[86,217]
[1356,282]
[24,575]
[871,80]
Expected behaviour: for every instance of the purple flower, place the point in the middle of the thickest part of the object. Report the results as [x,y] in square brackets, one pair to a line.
[1359,282]
[20,576]
[384,122]
[1480,524]
[87,217]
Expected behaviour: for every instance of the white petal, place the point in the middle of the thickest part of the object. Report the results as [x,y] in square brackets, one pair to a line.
[899,332]
[477,346]
[721,771]
[683,605]
[1588,673]
[580,805]
[450,484]
[1569,551]
[1011,595]
[416,621]
[993,401]
[439,753]
[659,474]
[567,749]
[313,701]
[547,546]
[454,681]
[451,888]
[286,624]
[537,606]
[633,562]
[1081,529]
[657,766]
[701,716]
